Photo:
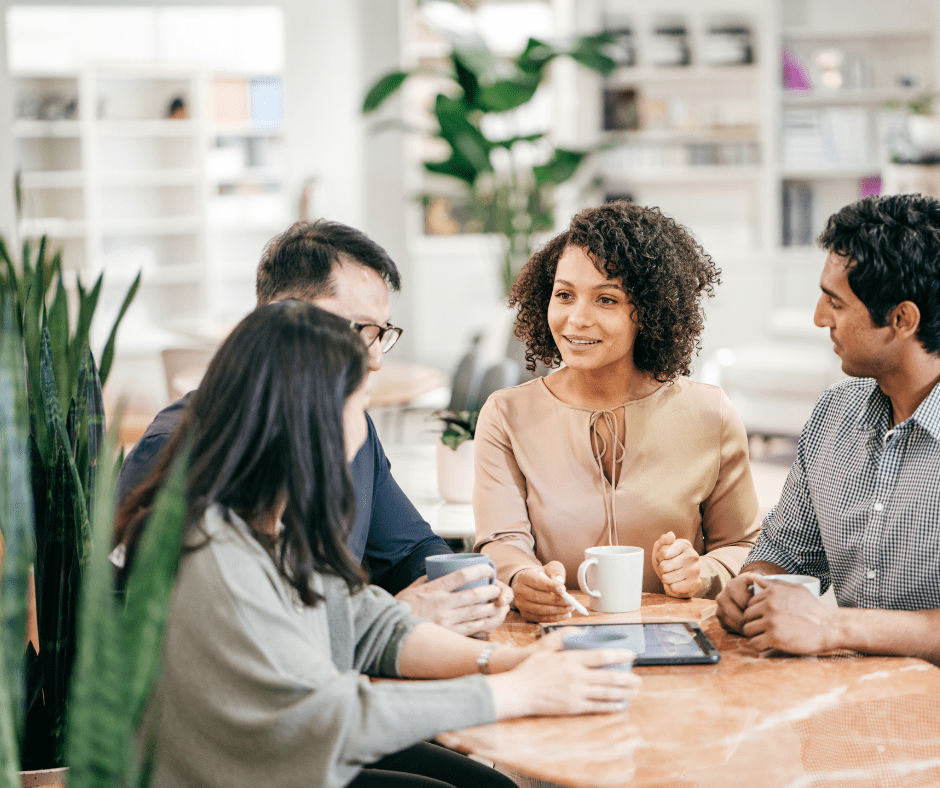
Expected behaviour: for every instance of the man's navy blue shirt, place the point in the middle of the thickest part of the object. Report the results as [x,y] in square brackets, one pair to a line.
[389,537]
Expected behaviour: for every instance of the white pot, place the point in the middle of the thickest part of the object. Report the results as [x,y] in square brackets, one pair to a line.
[924,133]
[455,472]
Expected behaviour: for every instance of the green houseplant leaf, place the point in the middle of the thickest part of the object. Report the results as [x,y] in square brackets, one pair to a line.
[108,355]
[382,89]
[458,427]
[120,646]
[62,391]
[16,520]
[100,731]
[484,86]
[151,583]
[61,540]
[560,168]
[591,52]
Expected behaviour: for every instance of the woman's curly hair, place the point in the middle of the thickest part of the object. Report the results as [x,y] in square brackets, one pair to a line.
[664,271]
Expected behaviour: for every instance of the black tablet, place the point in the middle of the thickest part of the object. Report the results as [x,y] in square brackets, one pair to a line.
[659,643]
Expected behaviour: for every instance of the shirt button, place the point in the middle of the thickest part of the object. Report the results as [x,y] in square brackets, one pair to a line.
[870,574]
[878,507]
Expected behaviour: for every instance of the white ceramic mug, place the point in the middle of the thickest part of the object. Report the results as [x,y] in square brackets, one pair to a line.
[618,576]
[808,582]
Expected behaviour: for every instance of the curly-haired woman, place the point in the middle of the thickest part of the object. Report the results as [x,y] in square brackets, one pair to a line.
[618,446]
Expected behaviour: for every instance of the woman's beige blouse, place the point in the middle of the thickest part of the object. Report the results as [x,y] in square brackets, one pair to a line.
[539,494]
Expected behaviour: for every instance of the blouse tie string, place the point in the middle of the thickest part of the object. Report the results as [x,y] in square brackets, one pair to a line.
[599,446]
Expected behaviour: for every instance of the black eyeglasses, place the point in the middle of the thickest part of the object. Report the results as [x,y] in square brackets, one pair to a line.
[386,335]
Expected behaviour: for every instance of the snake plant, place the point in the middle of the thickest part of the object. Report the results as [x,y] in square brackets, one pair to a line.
[64,413]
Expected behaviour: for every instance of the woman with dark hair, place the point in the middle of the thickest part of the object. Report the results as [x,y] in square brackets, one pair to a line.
[272,630]
[618,446]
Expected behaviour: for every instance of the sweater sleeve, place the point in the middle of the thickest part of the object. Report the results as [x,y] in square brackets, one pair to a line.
[503,528]
[730,514]
[251,695]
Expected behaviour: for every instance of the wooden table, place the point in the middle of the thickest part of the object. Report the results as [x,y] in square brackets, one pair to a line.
[802,722]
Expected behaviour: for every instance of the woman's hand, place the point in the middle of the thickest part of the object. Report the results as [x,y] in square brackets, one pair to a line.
[553,682]
[677,565]
[473,611]
[537,593]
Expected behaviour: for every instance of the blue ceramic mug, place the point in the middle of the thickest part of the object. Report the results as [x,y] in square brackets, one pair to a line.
[440,565]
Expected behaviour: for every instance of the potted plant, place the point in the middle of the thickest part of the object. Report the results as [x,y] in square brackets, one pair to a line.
[118,644]
[507,179]
[64,413]
[921,123]
[455,455]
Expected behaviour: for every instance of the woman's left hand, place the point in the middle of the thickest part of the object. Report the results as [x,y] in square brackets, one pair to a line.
[677,565]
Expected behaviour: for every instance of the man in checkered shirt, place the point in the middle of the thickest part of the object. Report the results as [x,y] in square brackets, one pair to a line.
[861,507]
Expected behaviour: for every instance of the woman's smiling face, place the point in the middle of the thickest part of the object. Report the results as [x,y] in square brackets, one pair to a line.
[590,316]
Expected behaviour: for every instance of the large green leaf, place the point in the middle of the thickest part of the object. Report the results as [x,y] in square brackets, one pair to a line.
[9,744]
[454,167]
[591,52]
[536,55]
[89,393]
[87,303]
[478,60]
[461,134]
[108,355]
[100,734]
[490,85]
[58,325]
[469,83]
[56,424]
[507,94]
[510,141]
[560,168]
[151,583]
[16,521]
[382,89]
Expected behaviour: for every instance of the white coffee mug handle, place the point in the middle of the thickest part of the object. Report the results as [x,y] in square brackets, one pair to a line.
[582,577]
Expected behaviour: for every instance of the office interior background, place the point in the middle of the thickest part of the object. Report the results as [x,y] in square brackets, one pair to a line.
[749,121]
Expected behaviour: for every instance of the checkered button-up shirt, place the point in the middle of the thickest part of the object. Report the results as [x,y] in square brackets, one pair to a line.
[861,506]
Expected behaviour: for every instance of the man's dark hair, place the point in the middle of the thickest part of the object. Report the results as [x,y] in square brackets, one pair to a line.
[664,271]
[299,262]
[267,422]
[893,246]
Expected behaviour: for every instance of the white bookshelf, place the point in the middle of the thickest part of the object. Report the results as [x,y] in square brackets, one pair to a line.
[696,127]
[837,134]
[120,187]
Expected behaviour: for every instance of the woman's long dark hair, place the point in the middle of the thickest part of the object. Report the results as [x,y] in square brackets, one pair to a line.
[267,421]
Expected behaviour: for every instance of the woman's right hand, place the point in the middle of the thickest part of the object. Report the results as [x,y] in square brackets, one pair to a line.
[554,683]
[537,595]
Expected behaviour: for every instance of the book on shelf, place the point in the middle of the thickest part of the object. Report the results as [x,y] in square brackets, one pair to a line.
[797,217]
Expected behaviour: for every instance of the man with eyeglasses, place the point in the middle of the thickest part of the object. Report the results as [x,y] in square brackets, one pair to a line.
[340,269]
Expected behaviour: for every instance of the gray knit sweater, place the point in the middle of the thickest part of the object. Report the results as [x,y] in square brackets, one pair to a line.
[258,689]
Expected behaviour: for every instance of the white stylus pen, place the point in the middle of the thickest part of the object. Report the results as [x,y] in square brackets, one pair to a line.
[568,598]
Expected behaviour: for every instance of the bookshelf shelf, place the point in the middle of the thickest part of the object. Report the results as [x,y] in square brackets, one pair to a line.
[630,75]
[52,179]
[46,129]
[827,173]
[688,175]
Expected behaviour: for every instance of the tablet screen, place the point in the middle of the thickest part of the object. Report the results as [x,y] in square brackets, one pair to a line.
[660,643]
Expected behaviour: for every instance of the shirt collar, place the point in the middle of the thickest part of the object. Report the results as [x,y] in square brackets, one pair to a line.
[878,409]
[928,413]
